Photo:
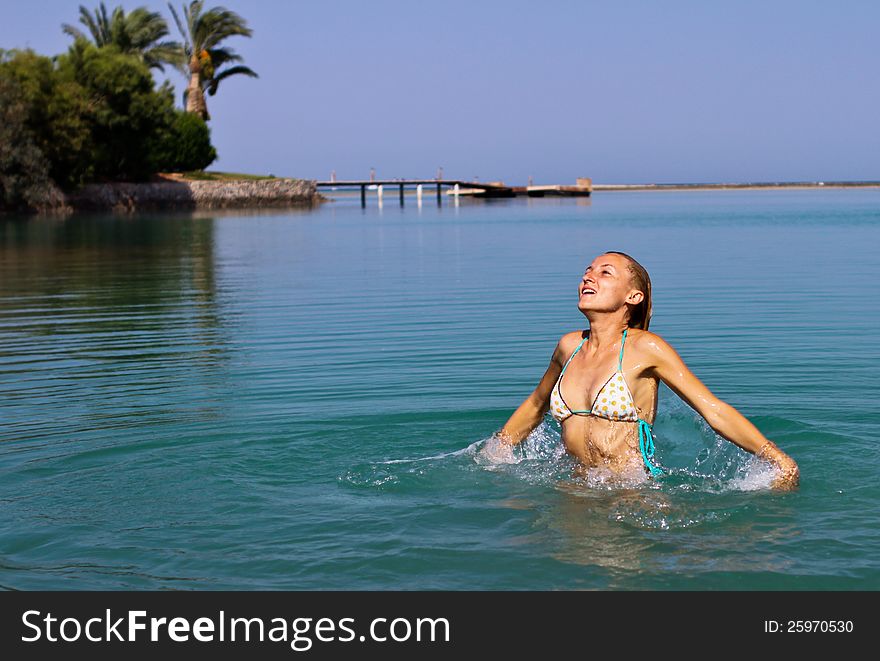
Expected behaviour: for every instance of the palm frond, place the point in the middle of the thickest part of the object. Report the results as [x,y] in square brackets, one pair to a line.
[119,34]
[168,52]
[214,82]
[74,32]
[103,24]
[145,27]
[92,24]
[187,38]
[221,56]
[192,15]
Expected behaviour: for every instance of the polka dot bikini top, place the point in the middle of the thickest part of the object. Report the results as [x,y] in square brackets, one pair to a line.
[614,402]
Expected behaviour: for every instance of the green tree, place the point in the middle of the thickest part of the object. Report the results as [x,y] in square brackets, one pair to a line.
[24,169]
[138,33]
[89,114]
[55,111]
[127,117]
[204,58]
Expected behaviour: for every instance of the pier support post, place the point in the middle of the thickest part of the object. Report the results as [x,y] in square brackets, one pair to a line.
[363,195]
[439,199]
[401,194]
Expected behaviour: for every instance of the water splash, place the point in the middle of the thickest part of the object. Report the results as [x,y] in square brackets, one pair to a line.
[542,460]
[722,467]
[390,473]
[540,445]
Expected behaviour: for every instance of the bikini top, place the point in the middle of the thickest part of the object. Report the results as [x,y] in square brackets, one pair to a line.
[613,402]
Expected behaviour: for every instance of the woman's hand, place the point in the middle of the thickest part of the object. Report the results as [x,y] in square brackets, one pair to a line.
[788,475]
[787,480]
[498,449]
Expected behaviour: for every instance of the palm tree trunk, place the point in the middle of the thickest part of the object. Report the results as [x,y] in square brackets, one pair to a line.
[195,97]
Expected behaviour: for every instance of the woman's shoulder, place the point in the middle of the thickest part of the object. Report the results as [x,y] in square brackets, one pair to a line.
[573,338]
[647,342]
[640,335]
[576,335]
[568,342]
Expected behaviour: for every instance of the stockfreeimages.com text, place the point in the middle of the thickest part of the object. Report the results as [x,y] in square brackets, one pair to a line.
[300,632]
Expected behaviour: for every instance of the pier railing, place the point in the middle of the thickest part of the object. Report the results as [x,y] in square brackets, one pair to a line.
[499,189]
[471,188]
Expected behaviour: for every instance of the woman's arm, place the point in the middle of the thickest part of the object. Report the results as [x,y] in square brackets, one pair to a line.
[722,417]
[531,412]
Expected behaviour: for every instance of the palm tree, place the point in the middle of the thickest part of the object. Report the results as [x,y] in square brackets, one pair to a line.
[202,33]
[138,32]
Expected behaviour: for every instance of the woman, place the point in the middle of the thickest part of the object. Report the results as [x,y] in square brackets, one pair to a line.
[607,420]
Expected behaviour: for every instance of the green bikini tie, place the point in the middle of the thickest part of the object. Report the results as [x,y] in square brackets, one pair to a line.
[646,445]
[646,437]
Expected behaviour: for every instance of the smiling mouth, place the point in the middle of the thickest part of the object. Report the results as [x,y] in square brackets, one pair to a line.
[587,290]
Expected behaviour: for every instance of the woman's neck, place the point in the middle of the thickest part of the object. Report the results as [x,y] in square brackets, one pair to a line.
[606,331]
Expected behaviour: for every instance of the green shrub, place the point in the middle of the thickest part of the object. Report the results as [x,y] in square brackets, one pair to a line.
[186,146]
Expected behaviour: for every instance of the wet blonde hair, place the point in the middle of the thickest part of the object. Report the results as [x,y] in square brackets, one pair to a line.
[639,315]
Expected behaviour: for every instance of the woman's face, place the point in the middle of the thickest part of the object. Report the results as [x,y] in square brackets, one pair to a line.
[605,284]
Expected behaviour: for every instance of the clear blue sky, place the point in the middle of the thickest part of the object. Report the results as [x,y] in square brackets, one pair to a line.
[622,91]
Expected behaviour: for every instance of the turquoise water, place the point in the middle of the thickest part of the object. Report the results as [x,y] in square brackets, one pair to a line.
[299,400]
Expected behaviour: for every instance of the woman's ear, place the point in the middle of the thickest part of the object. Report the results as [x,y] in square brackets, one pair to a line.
[635,297]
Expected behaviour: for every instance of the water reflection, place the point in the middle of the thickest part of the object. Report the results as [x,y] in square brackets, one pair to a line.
[630,532]
[108,319]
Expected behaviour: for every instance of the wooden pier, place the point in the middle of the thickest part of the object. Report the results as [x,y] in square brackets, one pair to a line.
[455,187]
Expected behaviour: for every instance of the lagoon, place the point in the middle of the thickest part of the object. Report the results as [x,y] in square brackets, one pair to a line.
[298,399]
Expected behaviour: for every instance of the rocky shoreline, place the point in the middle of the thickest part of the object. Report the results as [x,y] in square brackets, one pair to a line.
[186,194]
